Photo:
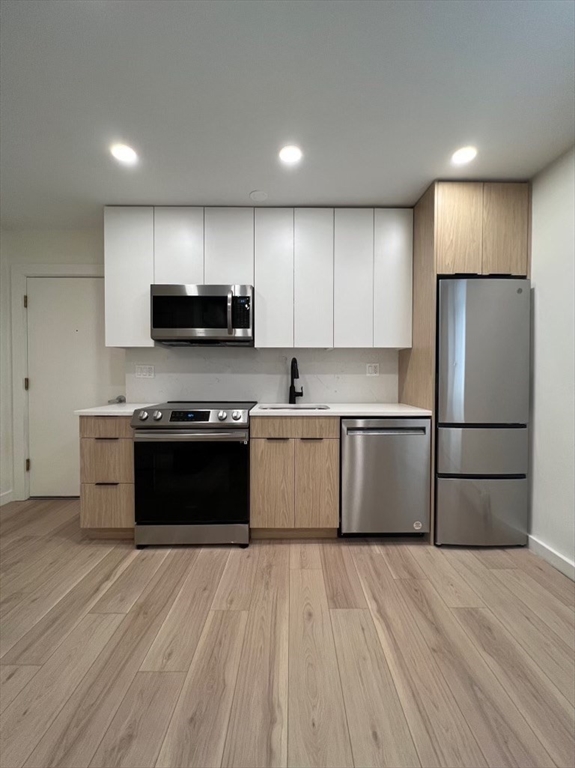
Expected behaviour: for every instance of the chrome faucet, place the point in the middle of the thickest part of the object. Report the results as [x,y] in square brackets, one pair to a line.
[294,374]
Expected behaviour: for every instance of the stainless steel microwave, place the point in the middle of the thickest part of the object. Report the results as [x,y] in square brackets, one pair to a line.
[182,315]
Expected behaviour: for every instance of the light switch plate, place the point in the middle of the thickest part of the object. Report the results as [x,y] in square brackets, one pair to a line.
[145,372]
[372,369]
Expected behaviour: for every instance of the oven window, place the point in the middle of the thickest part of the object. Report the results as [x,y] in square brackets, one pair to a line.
[191,483]
[190,312]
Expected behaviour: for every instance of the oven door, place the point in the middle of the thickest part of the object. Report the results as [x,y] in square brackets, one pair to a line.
[191,478]
[184,314]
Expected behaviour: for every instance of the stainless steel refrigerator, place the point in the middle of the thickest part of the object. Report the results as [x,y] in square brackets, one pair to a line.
[483,379]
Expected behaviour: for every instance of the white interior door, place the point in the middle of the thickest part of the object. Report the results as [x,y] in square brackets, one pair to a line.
[69,368]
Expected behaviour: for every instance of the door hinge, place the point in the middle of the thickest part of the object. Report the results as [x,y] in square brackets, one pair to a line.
[27,465]
[26,302]
[26,383]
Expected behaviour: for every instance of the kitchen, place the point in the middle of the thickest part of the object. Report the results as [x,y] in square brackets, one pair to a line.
[312,499]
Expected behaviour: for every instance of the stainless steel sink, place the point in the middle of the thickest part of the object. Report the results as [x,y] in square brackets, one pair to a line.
[299,407]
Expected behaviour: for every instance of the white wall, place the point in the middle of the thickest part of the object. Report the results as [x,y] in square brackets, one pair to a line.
[32,247]
[327,376]
[553,277]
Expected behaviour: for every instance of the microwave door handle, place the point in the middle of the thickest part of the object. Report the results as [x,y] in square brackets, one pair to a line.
[230,326]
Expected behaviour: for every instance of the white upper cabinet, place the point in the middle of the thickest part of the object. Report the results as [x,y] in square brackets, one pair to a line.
[229,246]
[353,277]
[179,245]
[129,272]
[313,290]
[274,306]
[392,277]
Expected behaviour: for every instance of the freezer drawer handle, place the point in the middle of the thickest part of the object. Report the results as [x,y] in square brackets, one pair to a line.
[387,432]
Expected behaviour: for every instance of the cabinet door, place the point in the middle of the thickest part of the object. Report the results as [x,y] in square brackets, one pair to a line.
[274,277]
[505,228]
[229,246]
[393,277]
[272,483]
[129,272]
[458,236]
[316,483]
[353,277]
[313,275]
[179,245]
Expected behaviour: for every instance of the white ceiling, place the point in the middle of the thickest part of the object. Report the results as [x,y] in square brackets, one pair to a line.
[377,94]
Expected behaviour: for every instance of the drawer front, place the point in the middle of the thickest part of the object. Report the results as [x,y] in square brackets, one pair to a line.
[477,512]
[106,426]
[106,460]
[107,506]
[295,426]
[479,451]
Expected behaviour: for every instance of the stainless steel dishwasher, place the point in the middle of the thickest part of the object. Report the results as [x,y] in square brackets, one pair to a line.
[385,475]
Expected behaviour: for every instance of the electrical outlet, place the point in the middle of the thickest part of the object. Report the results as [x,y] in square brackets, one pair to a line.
[145,372]
[372,369]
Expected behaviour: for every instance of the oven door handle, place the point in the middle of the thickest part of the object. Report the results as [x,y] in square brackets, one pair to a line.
[230,304]
[177,436]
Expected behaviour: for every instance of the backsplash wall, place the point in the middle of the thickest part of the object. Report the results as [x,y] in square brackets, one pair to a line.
[224,373]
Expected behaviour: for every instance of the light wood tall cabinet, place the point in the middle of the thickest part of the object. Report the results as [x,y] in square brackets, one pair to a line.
[294,474]
[107,476]
[477,228]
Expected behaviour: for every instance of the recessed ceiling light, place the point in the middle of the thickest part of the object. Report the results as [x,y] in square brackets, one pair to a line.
[463,155]
[124,154]
[291,155]
[258,196]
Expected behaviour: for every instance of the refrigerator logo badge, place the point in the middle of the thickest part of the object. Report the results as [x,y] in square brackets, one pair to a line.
[417,525]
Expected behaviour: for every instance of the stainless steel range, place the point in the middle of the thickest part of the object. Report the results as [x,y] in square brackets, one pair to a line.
[192,469]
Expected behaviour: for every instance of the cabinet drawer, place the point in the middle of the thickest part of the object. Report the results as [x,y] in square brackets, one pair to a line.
[106,426]
[294,426]
[107,506]
[106,460]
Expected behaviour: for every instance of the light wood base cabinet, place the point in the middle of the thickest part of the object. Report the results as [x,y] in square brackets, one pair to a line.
[294,475]
[107,476]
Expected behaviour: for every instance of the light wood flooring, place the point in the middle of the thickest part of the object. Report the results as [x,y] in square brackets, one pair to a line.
[326,653]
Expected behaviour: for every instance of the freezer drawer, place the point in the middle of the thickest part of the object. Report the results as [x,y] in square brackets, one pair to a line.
[472,511]
[483,351]
[478,451]
[385,475]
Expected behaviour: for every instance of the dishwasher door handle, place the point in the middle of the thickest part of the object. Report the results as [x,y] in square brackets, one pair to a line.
[383,432]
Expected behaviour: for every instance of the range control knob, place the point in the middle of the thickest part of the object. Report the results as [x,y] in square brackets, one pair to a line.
[236,415]
[222,415]
[143,415]
[157,415]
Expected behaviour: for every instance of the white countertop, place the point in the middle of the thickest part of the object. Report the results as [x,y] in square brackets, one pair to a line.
[115,409]
[360,410]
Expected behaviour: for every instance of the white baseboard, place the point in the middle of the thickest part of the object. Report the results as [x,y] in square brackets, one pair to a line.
[6,497]
[562,563]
